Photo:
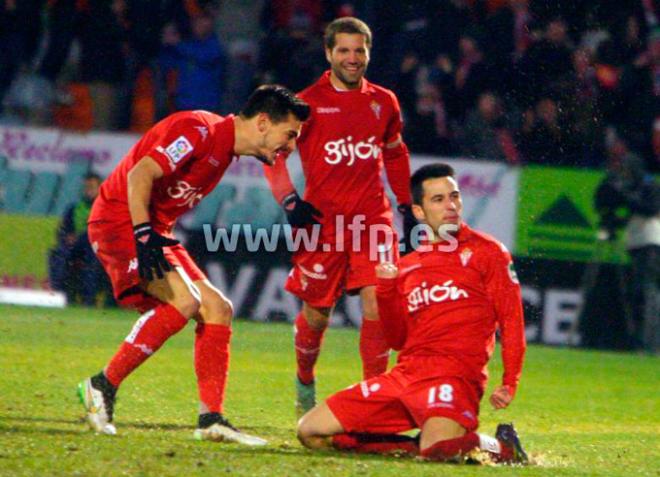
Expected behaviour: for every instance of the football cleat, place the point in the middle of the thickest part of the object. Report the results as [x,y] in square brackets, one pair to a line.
[99,404]
[216,428]
[305,397]
[508,437]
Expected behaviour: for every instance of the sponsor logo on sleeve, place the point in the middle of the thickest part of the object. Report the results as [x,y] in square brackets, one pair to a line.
[179,149]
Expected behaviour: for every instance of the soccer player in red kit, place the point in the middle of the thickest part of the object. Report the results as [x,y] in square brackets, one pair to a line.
[441,307]
[168,172]
[353,131]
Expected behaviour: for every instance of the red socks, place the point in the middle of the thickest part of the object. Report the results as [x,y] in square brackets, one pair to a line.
[373,349]
[147,336]
[308,346]
[375,443]
[211,363]
[452,448]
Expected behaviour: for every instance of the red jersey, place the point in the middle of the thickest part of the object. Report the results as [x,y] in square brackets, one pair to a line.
[343,149]
[449,305]
[193,148]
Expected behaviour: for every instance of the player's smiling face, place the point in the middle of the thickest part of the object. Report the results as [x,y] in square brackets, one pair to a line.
[348,60]
[441,203]
[277,138]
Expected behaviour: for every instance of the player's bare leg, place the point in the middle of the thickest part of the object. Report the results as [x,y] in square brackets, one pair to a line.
[175,300]
[212,337]
[316,428]
[309,327]
[374,350]
[320,429]
[444,439]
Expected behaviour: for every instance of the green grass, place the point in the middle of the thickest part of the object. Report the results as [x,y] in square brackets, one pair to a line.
[579,412]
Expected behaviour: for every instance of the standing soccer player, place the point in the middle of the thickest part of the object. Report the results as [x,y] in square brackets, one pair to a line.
[441,308]
[354,130]
[169,171]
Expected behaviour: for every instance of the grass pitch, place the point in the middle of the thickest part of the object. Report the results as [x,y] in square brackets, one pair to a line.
[578,412]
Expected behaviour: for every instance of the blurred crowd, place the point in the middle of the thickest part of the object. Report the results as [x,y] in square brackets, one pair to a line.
[519,81]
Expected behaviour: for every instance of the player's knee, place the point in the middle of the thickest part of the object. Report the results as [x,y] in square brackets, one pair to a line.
[369,306]
[187,304]
[217,309]
[317,318]
[307,437]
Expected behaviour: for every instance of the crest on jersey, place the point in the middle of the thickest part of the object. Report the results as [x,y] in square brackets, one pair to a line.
[376,108]
[465,255]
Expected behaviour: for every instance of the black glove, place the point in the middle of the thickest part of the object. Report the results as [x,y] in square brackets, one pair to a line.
[409,221]
[150,251]
[300,213]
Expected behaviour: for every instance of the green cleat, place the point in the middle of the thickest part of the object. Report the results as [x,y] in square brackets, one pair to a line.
[305,397]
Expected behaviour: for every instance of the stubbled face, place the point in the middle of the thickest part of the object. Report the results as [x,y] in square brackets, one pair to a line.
[277,138]
[348,59]
[441,203]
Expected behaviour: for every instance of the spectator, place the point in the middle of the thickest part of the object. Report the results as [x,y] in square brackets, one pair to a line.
[546,64]
[471,77]
[19,37]
[200,65]
[509,31]
[72,266]
[486,135]
[582,108]
[543,141]
[640,95]
[628,185]
[303,62]
[427,127]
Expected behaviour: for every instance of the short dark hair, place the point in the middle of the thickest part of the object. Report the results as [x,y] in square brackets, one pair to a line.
[276,101]
[429,171]
[91,176]
[345,25]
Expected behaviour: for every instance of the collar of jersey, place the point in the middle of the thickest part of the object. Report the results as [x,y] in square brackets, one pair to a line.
[364,88]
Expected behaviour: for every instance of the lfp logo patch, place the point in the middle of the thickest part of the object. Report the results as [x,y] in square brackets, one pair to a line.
[179,149]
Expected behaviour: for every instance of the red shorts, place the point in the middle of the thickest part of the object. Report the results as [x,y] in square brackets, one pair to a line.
[319,277]
[114,246]
[404,398]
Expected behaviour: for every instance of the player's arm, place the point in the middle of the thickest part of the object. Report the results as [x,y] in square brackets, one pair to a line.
[140,182]
[391,309]
[299,213]
[396,159]
[149,245]
[504,292]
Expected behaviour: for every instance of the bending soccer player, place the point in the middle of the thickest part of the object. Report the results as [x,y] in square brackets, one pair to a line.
[353,131]
[441,308]
[168,172]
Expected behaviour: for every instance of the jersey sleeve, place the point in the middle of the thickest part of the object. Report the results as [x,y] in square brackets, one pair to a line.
[185,139]
[395,124]
[392,312]
[504,292]
[396,157]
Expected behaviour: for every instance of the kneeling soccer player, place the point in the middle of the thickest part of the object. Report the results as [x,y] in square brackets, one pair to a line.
[168,172]
[441,308]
